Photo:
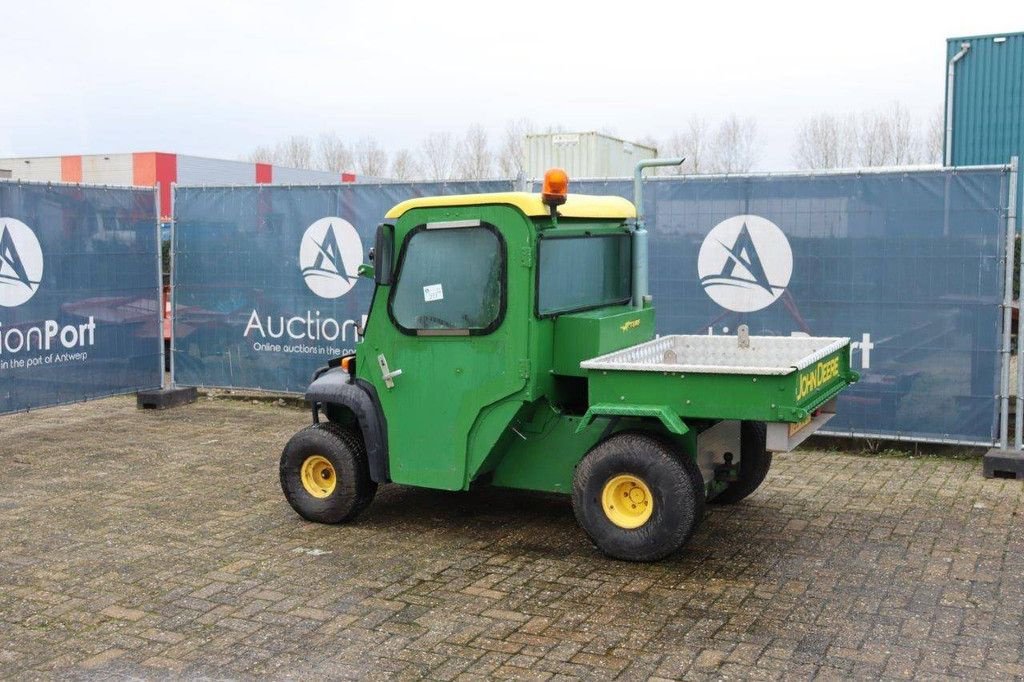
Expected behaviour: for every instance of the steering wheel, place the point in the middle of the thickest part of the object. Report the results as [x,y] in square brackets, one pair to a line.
[424,320]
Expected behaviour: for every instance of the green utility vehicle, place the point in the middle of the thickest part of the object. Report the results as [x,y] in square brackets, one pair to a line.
[510,342]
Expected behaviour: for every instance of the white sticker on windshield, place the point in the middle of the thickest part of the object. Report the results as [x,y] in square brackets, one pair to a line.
[433,292]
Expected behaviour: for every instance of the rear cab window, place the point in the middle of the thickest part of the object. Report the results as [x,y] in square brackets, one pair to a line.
[582,272]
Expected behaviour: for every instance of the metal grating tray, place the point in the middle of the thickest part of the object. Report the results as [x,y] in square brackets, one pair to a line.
[700,354]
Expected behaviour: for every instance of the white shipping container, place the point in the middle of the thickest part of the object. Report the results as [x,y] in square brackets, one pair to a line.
[584,155]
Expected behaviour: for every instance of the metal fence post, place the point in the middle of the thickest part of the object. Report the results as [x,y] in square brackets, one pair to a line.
[159,286]
[172,299]
[1011,222]
[1004,351]
[1008,304]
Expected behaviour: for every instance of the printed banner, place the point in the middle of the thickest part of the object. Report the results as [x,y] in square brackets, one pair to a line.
[79,294]
[906,264]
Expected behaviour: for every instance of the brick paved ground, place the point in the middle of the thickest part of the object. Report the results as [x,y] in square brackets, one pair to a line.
[158,545]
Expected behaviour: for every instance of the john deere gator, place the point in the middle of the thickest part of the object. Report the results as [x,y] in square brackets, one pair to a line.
[510,342]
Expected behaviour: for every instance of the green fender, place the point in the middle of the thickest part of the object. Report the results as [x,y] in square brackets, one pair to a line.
[668,418]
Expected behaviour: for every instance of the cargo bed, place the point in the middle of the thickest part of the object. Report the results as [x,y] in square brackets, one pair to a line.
[787,381]
[765,355]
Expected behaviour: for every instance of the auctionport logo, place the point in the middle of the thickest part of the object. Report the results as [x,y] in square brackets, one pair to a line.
[21,270]
[329,256]
[21,263]
[745,263]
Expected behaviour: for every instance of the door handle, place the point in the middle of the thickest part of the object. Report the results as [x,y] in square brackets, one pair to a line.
[387,374]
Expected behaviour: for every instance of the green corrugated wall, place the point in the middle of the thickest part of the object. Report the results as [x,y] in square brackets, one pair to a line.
[988,104]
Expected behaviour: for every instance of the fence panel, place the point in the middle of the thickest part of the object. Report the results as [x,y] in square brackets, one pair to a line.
[909,265]
[264,278]
[79,293]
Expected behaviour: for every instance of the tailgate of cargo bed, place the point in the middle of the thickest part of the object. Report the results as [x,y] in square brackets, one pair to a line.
[788,379]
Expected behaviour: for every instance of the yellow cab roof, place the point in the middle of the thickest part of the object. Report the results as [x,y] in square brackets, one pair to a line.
[575,206]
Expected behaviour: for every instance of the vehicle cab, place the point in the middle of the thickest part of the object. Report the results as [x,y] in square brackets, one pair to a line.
[484,304]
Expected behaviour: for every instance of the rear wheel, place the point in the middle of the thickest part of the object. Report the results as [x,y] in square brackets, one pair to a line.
[637,498]
[324,473]
[754,464]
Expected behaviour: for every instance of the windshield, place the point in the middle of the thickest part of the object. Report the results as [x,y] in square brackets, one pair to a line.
[576,273]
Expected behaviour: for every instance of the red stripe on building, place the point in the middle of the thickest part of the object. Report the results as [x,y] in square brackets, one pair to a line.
[166,175]
[348,177]
[144,169]
[156,168]
[71,169]
[264,174]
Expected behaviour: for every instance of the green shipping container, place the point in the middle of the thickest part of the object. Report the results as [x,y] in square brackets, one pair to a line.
[986,101]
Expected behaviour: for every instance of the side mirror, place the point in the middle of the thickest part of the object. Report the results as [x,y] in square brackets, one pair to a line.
[384,255]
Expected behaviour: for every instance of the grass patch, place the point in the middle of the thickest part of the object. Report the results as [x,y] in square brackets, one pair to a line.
[890,449]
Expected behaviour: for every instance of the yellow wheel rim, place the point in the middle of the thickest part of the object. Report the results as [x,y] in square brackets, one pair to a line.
[318,477]
[627,501]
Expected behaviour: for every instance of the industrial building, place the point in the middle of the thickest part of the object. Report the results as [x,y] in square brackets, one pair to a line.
[150,169]
[985,101]
[584,155]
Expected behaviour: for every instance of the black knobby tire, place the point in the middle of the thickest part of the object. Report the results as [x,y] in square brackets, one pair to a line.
[353,489]
[675,484]
[755,462]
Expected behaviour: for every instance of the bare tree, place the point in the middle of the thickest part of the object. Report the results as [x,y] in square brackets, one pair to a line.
[371,159]
[693,144]
[887,138]
[262,154]
[697,147]
[475,161]
[296,152]
[935,138]
[873,140]
[670,147]
[847,146]
[826,141]
[404,166]
[734,148]
[905,144]
[512,156]
[332,154]
[438,152]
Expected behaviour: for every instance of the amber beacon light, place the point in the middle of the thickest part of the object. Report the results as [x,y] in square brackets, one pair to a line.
[556,187]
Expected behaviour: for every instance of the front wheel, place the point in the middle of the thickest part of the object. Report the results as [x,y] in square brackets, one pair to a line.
[324,473]
[637,498]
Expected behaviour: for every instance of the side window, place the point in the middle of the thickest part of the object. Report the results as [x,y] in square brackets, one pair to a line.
[450,281]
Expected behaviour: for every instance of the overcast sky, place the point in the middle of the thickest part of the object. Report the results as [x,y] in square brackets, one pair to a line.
[219,78]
